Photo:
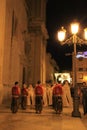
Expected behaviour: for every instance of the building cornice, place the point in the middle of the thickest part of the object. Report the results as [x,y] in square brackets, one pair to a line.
[38,28]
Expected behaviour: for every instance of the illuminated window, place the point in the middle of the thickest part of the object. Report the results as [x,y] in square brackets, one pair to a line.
[80,76]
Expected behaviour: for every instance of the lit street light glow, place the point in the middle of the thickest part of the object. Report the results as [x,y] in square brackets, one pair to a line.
[61,34]
[74,28]
[85,33]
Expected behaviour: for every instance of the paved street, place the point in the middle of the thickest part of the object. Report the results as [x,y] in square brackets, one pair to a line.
[47,120]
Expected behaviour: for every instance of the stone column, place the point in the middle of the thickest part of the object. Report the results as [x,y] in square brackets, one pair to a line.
[2,40]
[38,37]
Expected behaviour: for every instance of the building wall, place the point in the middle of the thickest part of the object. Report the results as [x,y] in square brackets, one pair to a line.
[81,70]
[38,51]
[49,68]
[22,44]
[38,37]
[14,23]
[2,42]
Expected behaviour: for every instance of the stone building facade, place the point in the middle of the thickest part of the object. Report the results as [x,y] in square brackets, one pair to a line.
[51,68]
[81,70]
[23,38]
[37,40]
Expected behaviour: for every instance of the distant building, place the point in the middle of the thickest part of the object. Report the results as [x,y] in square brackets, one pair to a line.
[81,69]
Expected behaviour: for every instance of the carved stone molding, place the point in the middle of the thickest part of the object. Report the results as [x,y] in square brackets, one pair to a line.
[39,29]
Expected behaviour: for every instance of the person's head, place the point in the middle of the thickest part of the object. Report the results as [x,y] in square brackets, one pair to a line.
[16,83]
[65,82]
[38,82]
[30,86]
[84,83]
[24,85]
[59,81]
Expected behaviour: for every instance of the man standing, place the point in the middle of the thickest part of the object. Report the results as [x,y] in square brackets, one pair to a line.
[84,97]
[38,97]
[15,97]
[24,94]
[57,97]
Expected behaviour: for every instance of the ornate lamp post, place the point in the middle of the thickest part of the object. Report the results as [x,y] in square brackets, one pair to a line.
[73,39]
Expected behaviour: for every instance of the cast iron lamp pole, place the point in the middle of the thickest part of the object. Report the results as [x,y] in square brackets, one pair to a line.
[75,112]
[73,39]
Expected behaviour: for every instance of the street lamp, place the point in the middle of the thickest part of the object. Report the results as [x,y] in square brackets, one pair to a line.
[73,39]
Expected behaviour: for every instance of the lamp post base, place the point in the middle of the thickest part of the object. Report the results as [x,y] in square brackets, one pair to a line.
[76,112]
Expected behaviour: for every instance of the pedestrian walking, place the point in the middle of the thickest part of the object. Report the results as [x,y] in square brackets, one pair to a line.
[67,98]
[24,94]
[38,97]
[15,97]
[44,95]
[57,97]
[49,94]
[30,97]
[84,97]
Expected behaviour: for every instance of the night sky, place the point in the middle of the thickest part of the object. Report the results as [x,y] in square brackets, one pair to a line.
[62,13]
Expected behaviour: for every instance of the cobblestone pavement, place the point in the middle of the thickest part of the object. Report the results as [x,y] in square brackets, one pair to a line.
[47,120]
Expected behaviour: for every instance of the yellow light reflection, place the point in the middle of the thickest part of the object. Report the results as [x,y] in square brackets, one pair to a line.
[74,28]
[61,34]
[85,33]
[85,78]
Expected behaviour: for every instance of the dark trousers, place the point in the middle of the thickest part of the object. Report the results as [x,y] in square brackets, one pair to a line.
[84,102]
[57,102]
[15,101]
[38,103]
[24,102]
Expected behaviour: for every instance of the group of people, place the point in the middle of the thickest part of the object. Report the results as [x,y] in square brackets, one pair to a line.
[47,94]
